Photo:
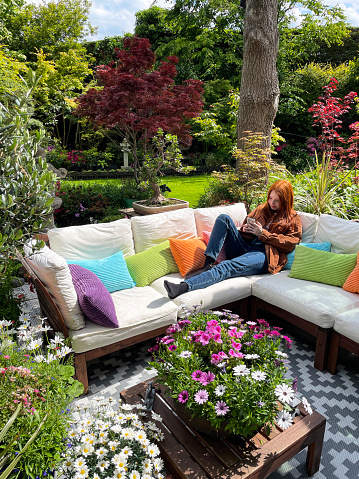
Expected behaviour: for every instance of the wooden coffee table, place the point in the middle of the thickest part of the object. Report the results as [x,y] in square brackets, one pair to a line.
[188,454]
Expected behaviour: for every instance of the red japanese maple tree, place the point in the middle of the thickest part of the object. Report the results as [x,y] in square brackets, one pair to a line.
[137,98]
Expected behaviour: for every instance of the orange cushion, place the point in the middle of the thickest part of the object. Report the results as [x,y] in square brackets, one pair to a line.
[352,282]
[188,254]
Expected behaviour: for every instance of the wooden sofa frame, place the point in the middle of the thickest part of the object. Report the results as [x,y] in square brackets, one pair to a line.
[328,341]
[53,316]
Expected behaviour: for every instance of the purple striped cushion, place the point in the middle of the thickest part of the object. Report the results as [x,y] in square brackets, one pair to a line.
[94,299]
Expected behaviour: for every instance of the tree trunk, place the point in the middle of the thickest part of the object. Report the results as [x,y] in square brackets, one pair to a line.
[259,94]
[157,196]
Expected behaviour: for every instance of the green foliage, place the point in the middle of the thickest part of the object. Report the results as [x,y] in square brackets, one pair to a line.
[103,51]
[52,26]
[7,9]
[153,24]
[10,69]
[295,157]
[25,182]
[301,89]
[87,202]
[41,382]
[326,189]
[163,152]
[10,305]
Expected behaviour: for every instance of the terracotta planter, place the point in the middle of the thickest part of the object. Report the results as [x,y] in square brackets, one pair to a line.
[142,209]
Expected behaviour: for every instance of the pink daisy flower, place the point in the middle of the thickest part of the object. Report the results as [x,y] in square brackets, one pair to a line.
[221,408]
[201,396]
[183,396]
[196,375]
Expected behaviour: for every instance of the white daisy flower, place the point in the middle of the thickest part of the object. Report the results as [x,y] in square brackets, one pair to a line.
[157,464]
[252,356]
[39,358]
[134,475]
[241,370]
[34,345]
[220,390]
[119,460]
[281,354]
[156,417]
[127,451]
[284,393]
[82,472]
[86,449]
[153,450]
[101,452]
[252,323]
[307,406]
[284,419]
[126,407]
[118,474]
[258,375]
[103,465]
[79,462]
[185,354]
[147,466]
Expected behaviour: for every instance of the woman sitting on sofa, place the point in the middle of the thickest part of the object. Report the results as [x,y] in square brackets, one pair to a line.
[261,245]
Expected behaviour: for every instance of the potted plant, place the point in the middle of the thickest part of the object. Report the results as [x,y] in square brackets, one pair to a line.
[131,192]
[162,152]
[107,444]
[227,376]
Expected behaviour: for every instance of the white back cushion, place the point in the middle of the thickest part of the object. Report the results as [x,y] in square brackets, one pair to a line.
[205,217]
[309,225]
[54,273]
[343,234]
[153,229]
[93,241]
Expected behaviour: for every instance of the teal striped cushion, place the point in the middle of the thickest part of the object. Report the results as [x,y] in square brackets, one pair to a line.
[112,271]
[321,246]
[322,266]
[151,264]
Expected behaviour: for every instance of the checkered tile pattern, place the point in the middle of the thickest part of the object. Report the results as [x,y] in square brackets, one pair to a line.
[335,397]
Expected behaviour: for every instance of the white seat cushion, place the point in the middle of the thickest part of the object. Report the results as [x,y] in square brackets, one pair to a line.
[342,234]
[205,217]
[347,324]
[138,310]
[214,296]
[151,230]
[93,241]
[316,302]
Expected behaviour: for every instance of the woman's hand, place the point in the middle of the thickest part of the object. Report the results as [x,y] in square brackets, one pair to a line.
[253,228]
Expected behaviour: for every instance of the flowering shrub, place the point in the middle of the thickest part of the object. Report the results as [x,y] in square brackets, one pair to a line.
[36,382]
[227,371]
[106,444]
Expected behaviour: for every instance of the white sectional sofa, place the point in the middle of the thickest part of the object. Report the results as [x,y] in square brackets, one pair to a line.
[145,312]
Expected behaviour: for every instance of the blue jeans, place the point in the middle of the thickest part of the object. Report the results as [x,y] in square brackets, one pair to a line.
[243,259]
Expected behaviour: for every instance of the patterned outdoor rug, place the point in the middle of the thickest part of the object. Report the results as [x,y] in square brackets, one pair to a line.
[335,397]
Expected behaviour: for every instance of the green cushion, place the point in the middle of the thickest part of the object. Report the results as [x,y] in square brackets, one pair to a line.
[151,264]
[322,266]
[322,246]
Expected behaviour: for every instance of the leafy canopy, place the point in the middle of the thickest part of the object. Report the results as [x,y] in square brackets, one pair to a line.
[137,98]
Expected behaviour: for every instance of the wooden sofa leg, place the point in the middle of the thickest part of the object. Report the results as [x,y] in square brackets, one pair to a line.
[252,309]
[333,352]
[322,348]
[81,371]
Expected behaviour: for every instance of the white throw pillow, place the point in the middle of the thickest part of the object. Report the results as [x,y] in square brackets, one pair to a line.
[205,217]
[309,226]
[93,241]
[54,273]
[151,230]
[342,234]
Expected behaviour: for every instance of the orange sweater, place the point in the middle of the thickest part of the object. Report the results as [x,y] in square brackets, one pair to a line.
[281,238]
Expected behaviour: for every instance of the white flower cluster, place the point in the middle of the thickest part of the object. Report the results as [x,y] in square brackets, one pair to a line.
[29,338]
[107,444]
[286,395]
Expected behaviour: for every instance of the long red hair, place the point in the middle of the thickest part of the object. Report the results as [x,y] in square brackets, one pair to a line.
[284,190]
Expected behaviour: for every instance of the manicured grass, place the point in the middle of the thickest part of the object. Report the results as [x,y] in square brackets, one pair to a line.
[187,188]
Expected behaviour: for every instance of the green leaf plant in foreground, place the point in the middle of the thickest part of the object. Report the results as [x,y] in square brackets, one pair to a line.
[25,182]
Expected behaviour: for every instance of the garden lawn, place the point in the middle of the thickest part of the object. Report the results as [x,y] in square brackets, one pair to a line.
[187,188]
